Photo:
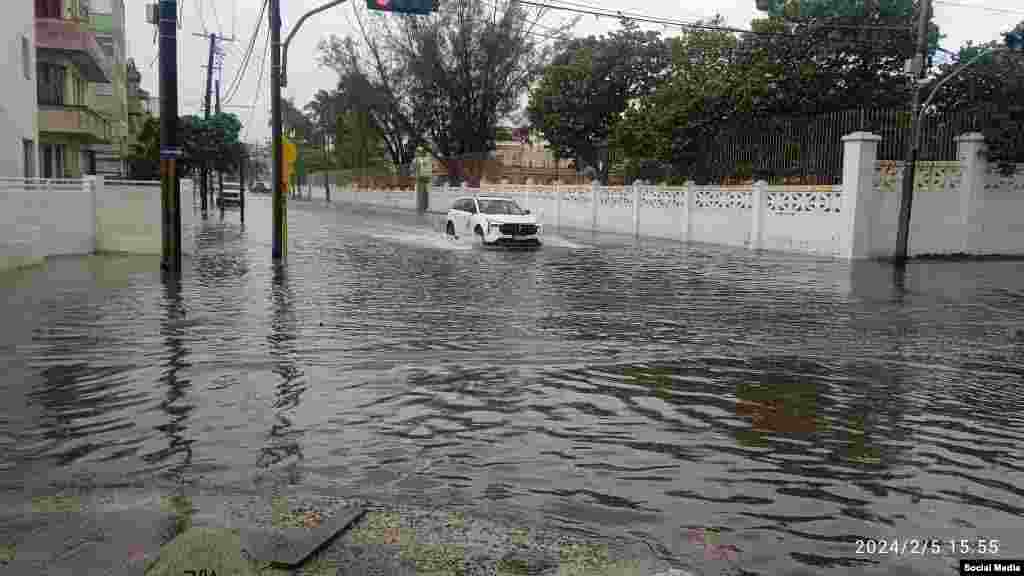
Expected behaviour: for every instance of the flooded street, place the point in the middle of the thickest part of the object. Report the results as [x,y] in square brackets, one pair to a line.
[739,413]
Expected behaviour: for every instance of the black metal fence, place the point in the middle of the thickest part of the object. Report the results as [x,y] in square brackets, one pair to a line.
[810,149]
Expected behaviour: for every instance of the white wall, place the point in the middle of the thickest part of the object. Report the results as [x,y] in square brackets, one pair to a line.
[18,100]
[128,217]
[807,219]
[44,218]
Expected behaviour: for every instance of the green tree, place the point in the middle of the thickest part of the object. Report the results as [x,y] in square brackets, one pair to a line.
[213,140]
[994,83]
[823,56]
[705,88]
[360,146]
[468,66]
[144,157]
[371,80]
[584,92]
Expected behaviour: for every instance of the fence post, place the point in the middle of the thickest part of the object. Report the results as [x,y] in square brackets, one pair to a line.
[90,186]
[688,203]
[973,165]
[636,209]
[860,152]
[759,205]
[595,190]
[558,205]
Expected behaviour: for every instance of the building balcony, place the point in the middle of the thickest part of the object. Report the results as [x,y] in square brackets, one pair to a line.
[77,121]
[74,40]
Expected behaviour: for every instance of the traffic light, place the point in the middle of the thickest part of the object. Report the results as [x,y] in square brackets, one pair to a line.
[422,7]
[1014,41]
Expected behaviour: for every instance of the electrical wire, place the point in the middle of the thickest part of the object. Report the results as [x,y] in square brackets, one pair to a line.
[259,88]
[202,18]
[700,26]
[216,17]
[618,13]
[237,82]
[979,7]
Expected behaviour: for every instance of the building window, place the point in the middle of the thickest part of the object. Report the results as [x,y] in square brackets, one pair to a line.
[29,155]
[48,9]
[50,81]
[26,58]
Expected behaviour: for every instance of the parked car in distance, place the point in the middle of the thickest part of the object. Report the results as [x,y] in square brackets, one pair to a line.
[260,188]
[493,221]
[230,195]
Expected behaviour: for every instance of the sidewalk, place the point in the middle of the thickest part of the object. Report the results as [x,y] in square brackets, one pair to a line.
[136,531]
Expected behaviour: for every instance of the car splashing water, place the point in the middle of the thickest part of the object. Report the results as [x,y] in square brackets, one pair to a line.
[737,412]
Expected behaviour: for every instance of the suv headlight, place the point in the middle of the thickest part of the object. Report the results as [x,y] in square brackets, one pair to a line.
[495,224]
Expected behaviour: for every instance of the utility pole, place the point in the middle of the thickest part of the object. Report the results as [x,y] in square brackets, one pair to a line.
[169,152]
[278,200]
[241,183]
[209,78]
[204,186]
[220,175]
[914,142]
[279,78]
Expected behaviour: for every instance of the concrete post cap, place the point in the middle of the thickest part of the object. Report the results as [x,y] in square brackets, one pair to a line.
[970,137]
[862,137]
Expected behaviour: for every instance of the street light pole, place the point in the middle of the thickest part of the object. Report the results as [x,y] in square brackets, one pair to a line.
[914,144]
[278,78]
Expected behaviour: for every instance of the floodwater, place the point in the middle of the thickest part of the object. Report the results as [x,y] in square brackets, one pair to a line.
[739,413]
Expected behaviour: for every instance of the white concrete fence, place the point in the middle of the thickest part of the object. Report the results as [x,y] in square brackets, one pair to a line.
[42,218]
[964,206]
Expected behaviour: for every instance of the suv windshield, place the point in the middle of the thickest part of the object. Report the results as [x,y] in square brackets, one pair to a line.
[500,207]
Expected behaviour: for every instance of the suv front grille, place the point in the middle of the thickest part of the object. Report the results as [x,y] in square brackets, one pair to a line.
[519,229]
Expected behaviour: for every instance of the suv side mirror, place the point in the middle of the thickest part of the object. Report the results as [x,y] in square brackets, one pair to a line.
[526,211]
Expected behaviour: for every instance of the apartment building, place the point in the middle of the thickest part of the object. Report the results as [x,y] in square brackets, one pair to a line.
[19,135]
[107,22]
[69,61]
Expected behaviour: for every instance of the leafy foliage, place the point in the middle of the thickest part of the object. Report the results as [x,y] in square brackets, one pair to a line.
[214,141]
[442,81]
[994,82]
[583,93]
[823,56]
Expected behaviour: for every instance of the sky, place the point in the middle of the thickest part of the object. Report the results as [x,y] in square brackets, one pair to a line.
[960,20]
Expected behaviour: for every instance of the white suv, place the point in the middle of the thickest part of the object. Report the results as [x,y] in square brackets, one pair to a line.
[493,221]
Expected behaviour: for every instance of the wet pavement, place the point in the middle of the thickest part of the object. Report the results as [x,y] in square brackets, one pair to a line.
[733,413]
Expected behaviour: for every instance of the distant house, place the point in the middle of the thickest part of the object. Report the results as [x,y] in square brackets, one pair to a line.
[518,161]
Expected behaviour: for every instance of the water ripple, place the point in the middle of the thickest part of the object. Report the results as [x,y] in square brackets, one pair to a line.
[785,406]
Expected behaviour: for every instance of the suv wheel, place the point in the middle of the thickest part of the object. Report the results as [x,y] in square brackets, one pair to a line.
[450,228]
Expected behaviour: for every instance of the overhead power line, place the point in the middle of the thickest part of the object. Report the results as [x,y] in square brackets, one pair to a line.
[623,13]
[979,7]
[237,82]
[259,88]
[632,16]
[202,17]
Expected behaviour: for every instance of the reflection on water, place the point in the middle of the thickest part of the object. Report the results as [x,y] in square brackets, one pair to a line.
[177,456]
[283,441]
[738,414]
